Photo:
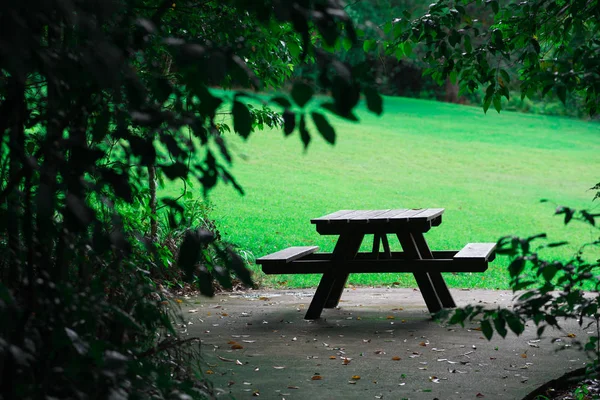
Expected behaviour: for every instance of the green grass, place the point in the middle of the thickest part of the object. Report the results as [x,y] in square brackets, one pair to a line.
[488,171]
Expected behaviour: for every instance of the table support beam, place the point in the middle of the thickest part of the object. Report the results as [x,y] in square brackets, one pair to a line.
[436,278]
[409,245]
[332,283]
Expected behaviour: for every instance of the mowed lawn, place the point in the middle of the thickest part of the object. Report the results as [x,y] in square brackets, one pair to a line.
[488,171]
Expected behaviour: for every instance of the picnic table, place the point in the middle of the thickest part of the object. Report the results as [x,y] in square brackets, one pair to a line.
[408,225]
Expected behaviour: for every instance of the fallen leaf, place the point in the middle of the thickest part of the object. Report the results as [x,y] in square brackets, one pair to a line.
[256,393]
[358,318]
[224,359]
[195,310]
[232,342]
[293,387]
[264,298]
[332,357]
[316,378]
[477,329]
[479,395]
[238,362]
[423,344]
[237,346]
[379,352]
[524,355]
[279,367]
[179,301]
[248,341]
[355,377]
[352,382]
[434,379]
[390,317]
[346,361]
[396,358]
[224,314]
[571,335]
[209,372]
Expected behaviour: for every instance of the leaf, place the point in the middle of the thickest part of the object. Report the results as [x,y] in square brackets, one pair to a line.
[188,254]
[514,323]
[396,358]
[355,377]
[324,127]
[282,101]
[302,93]
[316,378]
[500,325]
[374,101]
[289,122]
[407,47]
[497,103]
[242,119]
[80,345]
[304,135]
[237,346]
[495,7]
[486,329]
[516,267]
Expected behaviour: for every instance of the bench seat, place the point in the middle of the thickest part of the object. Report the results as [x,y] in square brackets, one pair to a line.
[477,252]
[474,257]
[287,255]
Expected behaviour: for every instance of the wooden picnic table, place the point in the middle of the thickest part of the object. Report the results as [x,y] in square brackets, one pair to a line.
[408,225]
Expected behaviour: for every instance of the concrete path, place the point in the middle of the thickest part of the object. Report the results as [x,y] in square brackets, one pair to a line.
[379,344]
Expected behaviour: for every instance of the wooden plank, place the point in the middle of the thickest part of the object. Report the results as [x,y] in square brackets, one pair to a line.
[406,215]
[367,216]
[427,214]
[348,217]
[288,255]
[327,217]
[476,251]
[386,215]
[305,266]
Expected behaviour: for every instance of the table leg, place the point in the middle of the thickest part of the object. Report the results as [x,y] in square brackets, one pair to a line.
[436,278]
[345,249]
[423,279]
[332,282]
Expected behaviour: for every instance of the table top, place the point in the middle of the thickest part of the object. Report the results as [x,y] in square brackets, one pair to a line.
[370,221]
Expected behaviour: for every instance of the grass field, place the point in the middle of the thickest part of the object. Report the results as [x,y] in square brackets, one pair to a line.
[488,171]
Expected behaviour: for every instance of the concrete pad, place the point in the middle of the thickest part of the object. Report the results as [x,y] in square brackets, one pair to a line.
[379,344]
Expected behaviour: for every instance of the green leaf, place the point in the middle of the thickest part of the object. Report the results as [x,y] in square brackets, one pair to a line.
[486,329]
[467,41]
[347,44]
[495,7]
[304,135]
[324,127]
[500,325]
[497,102]
[407,47]
[289,122]
[368,44]
[514,323]
[374,101]
[399,53]
[282,101]
[486,103]
[516,267]
[302,93]
[242,120]
[294,49]
[549,272]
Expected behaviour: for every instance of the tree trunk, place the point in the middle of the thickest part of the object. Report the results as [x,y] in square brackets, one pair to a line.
[153,215]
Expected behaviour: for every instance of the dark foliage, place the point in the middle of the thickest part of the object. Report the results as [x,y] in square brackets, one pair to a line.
[94,98]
